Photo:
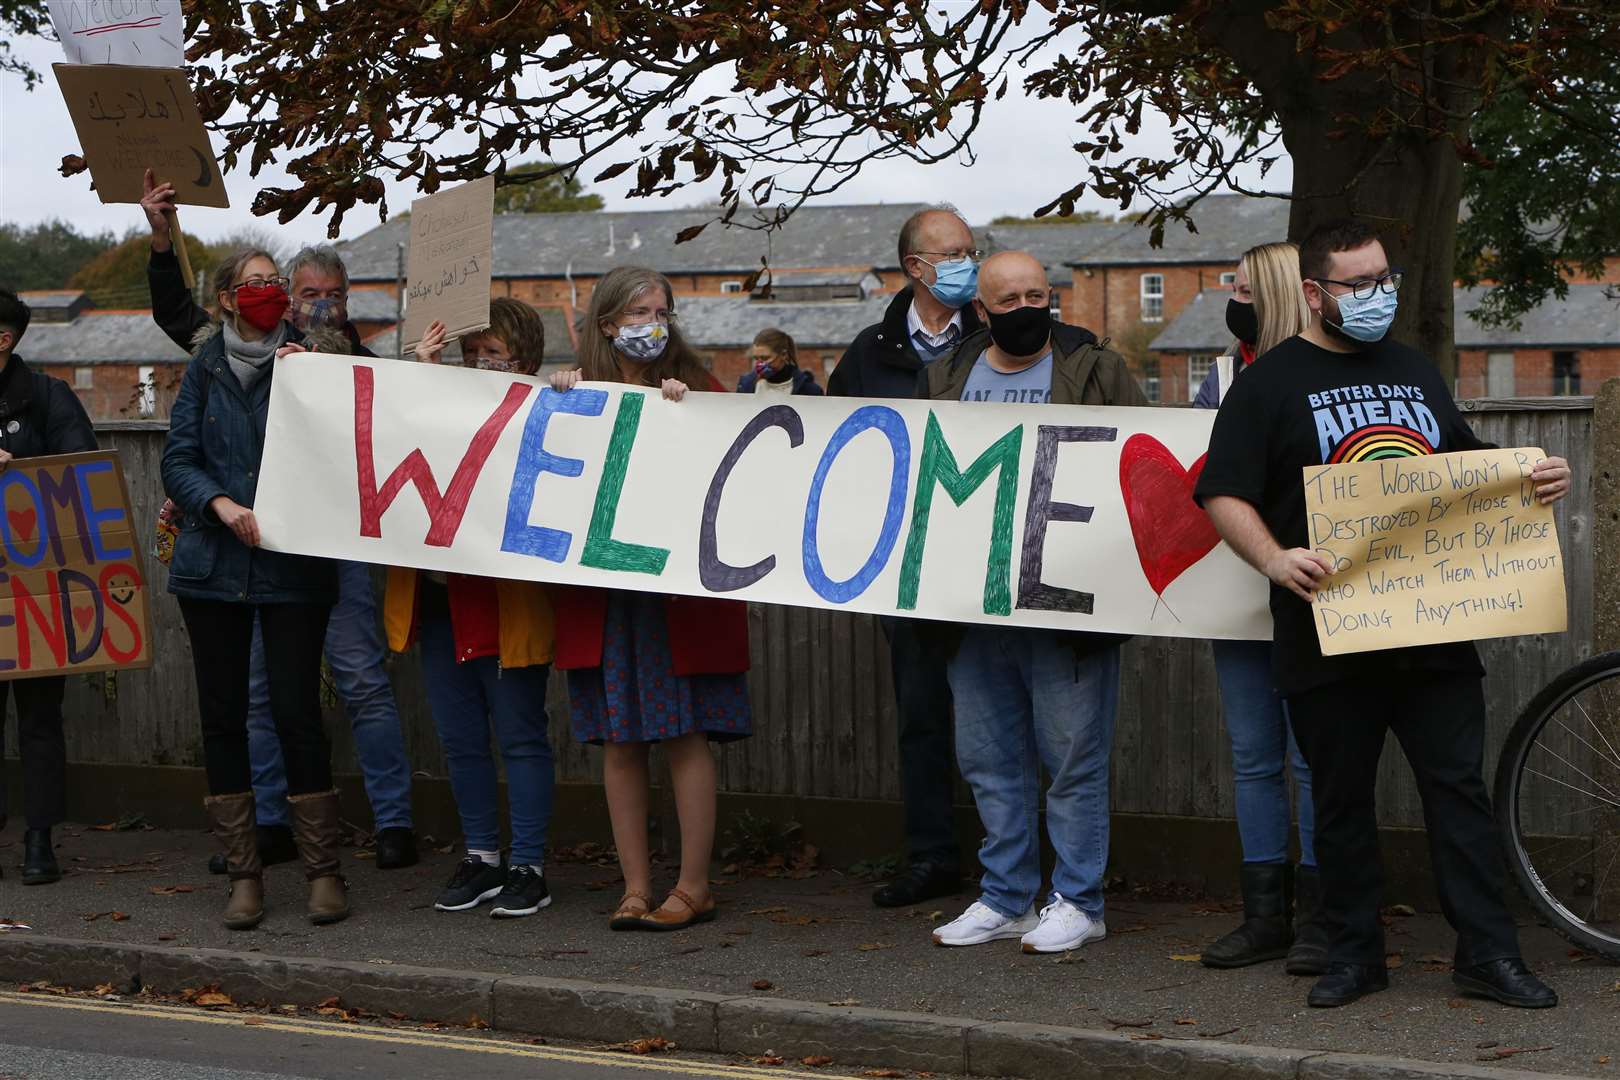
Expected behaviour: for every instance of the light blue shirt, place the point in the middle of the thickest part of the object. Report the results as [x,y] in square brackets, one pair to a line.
[1031,386]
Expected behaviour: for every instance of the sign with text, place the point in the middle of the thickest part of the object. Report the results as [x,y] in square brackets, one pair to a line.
[447,269]
[73,596]
[131,119]
[1452,547]
[1019,515]
[147,33]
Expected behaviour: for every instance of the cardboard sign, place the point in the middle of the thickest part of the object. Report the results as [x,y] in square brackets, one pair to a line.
[1013,515]
[131,119]
[145,33]
[1452,547]
[447,270]
[73,594]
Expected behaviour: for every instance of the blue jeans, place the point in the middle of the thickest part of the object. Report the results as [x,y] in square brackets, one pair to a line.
[467,699]
[1023,698]
[354,652]
[1262,742]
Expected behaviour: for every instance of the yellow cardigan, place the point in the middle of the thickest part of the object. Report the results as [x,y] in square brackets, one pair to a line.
[527,625]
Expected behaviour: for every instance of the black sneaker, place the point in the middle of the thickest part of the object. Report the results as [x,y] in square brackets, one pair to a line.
[396,848]
[473,882]
[525,894]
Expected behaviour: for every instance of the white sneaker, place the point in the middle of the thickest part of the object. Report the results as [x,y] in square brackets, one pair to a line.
[1063,927]
[979,924]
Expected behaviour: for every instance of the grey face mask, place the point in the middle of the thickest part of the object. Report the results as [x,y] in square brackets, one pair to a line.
[644,343]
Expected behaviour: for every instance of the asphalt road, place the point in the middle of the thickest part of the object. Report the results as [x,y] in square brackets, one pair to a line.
[51,1038]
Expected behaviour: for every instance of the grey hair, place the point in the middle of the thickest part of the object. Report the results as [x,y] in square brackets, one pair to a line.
[322,257]
[908,231]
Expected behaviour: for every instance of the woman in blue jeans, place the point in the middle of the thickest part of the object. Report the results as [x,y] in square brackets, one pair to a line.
[1280,903]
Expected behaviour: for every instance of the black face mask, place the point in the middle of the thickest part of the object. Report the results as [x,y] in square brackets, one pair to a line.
[1021,331]
[781,374]
[1242,321]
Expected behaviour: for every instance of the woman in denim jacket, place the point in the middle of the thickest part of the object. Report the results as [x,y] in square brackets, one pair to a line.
[222,578]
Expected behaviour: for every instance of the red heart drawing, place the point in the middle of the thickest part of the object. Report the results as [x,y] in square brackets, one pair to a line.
[1170,530]
[83,615]
[22,523]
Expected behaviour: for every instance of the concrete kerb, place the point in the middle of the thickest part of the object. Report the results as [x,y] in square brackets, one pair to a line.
[601,1012]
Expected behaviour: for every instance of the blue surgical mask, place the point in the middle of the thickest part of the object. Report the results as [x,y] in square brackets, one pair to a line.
[1368,320]
[644,343]
[955,283]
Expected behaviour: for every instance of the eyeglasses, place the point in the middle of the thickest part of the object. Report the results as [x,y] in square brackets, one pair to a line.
[1363,289]
[635,316]
[952,256]
[260,283]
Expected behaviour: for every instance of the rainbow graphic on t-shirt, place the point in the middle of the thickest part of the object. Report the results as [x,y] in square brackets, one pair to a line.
[1379,442]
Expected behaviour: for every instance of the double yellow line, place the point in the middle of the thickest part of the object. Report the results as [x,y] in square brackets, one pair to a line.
[429,1039]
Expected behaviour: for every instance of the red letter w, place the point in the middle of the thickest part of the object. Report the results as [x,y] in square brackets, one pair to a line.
[444,511]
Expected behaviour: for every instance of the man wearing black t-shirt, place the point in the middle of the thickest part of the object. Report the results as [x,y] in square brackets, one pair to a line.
[1342,392]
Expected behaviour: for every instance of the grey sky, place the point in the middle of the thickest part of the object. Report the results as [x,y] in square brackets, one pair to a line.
[1022,146]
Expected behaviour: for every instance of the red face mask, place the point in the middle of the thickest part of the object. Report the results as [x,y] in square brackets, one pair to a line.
[262,305]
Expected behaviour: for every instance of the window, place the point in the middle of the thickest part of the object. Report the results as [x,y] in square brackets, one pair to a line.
[1055,303]
[84,378]
[1152,297]
[146,390]
[1229,279]
[1499,381]
[1150,380]
[1197,371]
[1566,373]
[731,286]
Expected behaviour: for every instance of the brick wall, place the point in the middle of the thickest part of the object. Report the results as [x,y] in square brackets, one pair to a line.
[1108,299]
[111,394]
[1534,371]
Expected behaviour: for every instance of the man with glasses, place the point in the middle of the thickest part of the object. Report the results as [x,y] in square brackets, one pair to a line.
[1327,396]
[924,322]
[318,284]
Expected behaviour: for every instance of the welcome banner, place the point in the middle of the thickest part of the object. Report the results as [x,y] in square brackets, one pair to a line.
[1024,515]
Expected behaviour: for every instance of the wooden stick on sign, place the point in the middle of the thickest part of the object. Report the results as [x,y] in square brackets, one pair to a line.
[178,239]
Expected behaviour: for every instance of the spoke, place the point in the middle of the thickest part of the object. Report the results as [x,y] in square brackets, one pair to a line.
[1597,893]
[1561,867]
[1611,802]
[1608,709]
[1584,775]
[1616,758]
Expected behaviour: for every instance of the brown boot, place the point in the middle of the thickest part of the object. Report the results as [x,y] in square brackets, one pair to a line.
[233,824]
[315,827]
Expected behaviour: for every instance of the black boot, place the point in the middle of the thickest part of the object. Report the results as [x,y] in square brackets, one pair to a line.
[1266,931]
[920,881]
[1309,954]
[1344,983]
[1508,981]
[396,848]
[39,861]
[275,846]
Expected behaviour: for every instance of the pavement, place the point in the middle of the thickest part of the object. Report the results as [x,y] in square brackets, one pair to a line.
[799,964]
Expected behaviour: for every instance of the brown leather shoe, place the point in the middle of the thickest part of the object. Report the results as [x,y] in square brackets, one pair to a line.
[634,906]
[674,920]
[233,824]
[315,828]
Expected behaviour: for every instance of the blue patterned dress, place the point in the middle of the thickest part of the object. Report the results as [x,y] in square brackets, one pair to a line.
[635,696]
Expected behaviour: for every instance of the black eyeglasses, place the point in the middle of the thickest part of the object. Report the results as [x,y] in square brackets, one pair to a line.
[975,254]
[1363,289]
[261,282]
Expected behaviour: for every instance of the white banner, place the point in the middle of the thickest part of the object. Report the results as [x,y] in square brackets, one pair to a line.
[1069,517]
[143,33]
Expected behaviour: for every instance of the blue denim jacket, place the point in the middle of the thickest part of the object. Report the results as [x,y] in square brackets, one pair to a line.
[216,439]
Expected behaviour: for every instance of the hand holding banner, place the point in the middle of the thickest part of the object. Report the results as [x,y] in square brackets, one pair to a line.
[1452,547]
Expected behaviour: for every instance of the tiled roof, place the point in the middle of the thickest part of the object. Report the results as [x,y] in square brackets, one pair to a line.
[40,299]
[591,243]
[1056,246]
[1228,225]
[127,337]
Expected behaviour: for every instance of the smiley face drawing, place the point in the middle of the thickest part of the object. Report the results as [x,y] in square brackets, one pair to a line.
[121,589]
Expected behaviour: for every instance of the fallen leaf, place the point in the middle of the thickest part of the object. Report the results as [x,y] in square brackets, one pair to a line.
[1137,929]
[329,1003]
[766,911]
[1456,1003]
[1604,1060]
[1404,911]
[651,1044]
[763,984]
[212,999]
[1146,1036]
[1117,1024]
[846,1003]
[768,1059]
[104,990]
[165,937]
[477,1023]
[1191,958]
[170,890]
[1216,1034]
[253,1021]
[810,953]
[873,946]
[886,1074]
[1393,961]
[816,1061]
[1187,1021]
[1509,1051]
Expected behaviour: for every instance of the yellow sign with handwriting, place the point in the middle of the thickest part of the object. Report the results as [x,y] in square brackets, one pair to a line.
[1452,547]
[447,271]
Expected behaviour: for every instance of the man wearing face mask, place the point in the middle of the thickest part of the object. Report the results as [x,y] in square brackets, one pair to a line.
[1015,687]
[318,284]
[1324,397]
[922,324]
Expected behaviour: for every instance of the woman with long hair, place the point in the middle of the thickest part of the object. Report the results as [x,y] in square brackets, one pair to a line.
[222,578]
[643,667]
[1280,902]
[776,367]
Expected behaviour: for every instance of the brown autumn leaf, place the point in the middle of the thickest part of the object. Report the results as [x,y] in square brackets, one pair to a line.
[649,1044]
[254,1021]
[477,1023]
[104,990]
[118,916]
[816,1061]
[886,1074]
[1403,911]
[170,890]
[1394,960]
[212,999]
[763,984]
[874,946]
[1189,958]
[766,911]
[328,1003]
[768,1059]
[1187,1021]
[846,1003]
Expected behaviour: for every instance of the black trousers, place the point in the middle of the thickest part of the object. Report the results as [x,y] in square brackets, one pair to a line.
[221,643]
[42,747]
[927,763]
[1439,719]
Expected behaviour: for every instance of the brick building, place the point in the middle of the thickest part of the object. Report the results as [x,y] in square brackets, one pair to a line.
[118,362]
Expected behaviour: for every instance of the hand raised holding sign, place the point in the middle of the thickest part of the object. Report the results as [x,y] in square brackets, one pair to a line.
[1551,480]
[157,201]
[430,350]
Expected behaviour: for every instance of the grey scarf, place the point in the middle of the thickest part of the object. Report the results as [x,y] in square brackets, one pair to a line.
[250,359]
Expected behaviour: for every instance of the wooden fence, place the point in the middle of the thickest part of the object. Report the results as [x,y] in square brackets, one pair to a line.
[824,710]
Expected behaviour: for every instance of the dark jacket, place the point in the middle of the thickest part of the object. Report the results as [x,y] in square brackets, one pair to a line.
[48,415]
[178,314]
[881,361]
[216,441]
[804,382]
[1084,372]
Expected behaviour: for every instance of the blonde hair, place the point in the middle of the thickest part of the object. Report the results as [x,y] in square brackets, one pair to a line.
[1280,309]
[779,343]
[225,273]
[599,361]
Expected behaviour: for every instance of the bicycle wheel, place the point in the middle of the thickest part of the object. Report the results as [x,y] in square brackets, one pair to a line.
[1558,804]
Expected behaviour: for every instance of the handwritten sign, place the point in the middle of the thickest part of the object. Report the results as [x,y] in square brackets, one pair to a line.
[131,119]
[448,267]
[145,33]
[1027,515]
[1453,547]
[73,596]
